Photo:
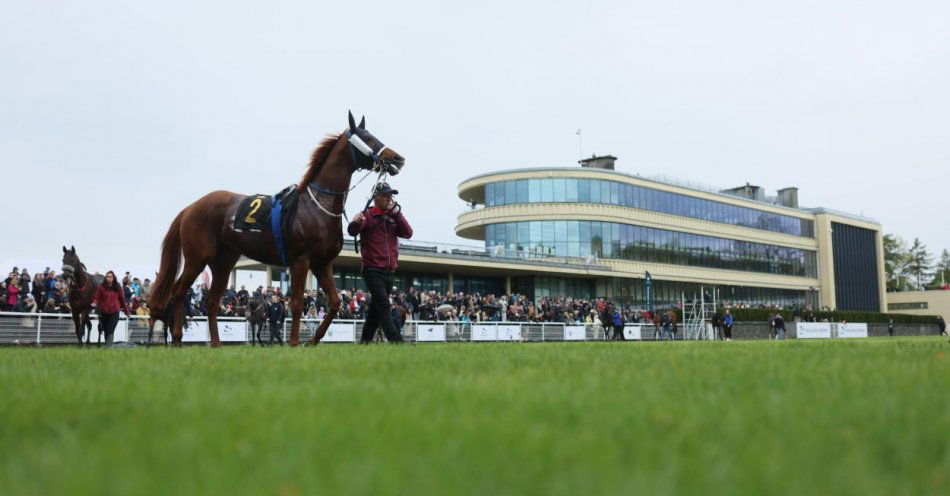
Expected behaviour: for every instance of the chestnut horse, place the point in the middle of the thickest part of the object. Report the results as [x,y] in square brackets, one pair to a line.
[202,234]
[82,287]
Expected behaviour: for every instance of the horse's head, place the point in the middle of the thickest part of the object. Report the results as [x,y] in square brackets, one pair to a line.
[369,152]
[71,265]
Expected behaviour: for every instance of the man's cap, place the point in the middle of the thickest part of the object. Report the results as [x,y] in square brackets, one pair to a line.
[385,189]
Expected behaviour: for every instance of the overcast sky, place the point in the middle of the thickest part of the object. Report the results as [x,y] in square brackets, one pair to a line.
[116,115]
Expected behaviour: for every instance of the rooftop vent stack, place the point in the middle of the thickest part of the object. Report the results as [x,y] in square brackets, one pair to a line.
[595,162]
[748,191]
[788,197]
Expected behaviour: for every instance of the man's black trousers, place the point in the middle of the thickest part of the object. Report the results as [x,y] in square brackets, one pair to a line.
[379,283]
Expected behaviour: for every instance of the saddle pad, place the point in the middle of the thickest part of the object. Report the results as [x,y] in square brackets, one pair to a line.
[253,214]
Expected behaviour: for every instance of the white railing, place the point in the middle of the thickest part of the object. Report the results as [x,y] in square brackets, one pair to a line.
[32,329]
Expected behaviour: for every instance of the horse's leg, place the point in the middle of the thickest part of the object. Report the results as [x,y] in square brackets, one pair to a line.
[80,327]
[151,330]
[298,278]
[325,279]
[188,276]
[220,271]
[87,325]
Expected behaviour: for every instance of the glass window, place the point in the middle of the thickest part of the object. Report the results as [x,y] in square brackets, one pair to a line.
[615,239]
[605,192]
[583,190]
[524,234]
[560,189]
[547,230]
[584,229]
[573,249]
[512,232]
[595,191]
[571,196]
[547,190]
[521,195]
[510,192]
[534,230]
[490,195]
[560,230]
[573,230]
[534,190]
[637,193]
[596,239]
[499,193]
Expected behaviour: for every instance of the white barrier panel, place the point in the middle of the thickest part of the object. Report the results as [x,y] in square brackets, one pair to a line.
[231,331]
[481,332]
[195,332]
[509,332]
[340,333]
[632,333]
[852,330]
[575,333]
[121,334]
[812,330]
[430,332]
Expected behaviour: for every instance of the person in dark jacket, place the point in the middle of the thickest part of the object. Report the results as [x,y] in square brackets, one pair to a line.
[779,324]
[942,324]
[109,299]
[727,325]
[618,323]
[380,228]
[275,319]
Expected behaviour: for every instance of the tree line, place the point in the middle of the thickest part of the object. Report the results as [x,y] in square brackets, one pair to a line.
[913,267]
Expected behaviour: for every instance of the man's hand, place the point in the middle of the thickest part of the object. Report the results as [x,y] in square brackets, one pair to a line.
[359,218]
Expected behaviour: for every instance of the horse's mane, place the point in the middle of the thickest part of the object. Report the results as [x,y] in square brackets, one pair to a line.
[319,156]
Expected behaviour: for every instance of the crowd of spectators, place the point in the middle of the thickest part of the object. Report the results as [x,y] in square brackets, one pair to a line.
[48,293]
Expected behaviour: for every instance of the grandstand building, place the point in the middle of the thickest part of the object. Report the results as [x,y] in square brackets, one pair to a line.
[592,231]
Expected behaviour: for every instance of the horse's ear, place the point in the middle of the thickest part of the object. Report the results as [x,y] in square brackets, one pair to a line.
[352,121]
[363,122]
[72,249]
[64,249]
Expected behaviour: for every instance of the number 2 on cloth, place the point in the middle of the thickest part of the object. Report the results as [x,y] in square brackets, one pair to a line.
[255,206]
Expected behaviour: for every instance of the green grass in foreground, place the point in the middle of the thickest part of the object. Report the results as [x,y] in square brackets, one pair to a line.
[842,417]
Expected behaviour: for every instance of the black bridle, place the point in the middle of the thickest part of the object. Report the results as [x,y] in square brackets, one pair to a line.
[362,157]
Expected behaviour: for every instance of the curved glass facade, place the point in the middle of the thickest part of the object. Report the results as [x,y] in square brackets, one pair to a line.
[580,238]
[574,190]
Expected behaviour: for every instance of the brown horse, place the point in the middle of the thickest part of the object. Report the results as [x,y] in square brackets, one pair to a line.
[202,233]
[82,287]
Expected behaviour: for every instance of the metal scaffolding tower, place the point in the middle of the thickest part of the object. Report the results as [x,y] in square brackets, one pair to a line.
[697,314]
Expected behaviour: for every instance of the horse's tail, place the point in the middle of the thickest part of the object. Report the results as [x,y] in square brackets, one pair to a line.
[168,270]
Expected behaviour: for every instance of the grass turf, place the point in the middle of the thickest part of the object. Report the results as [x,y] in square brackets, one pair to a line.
[794,417]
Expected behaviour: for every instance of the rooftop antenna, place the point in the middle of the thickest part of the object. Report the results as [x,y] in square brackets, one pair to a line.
[580,152]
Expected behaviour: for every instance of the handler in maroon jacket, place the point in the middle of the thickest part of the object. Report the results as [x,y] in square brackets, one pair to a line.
[379,227]
[109,300]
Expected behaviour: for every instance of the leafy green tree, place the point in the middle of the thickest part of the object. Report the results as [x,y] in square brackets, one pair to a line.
[942,275]
[896,258]
[919,263]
